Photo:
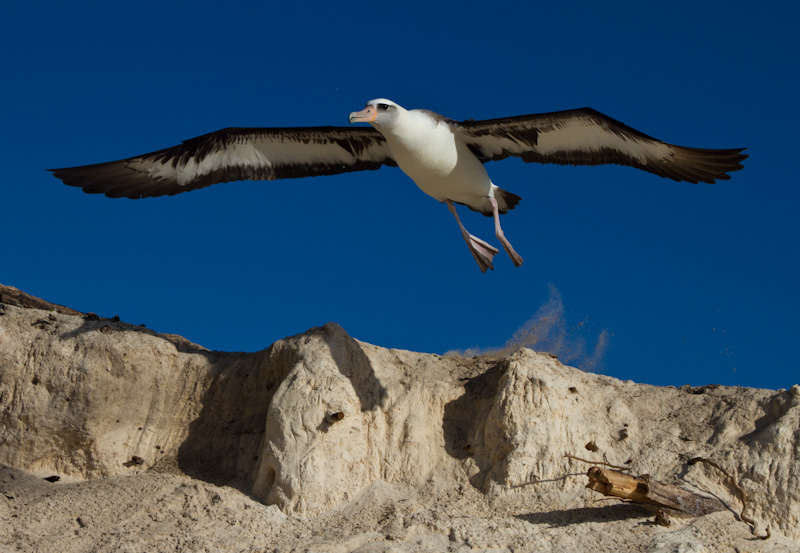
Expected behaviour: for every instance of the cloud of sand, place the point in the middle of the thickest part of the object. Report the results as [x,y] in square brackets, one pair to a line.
[549,331]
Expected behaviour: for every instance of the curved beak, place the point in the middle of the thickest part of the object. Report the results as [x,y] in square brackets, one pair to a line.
[366,115]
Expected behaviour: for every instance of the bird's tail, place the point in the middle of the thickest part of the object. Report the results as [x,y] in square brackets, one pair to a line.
[505,200]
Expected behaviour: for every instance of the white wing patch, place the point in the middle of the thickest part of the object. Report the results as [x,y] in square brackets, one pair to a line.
[590,137]
[255,155]
[158,171]
[242,155]
[559,138]
[252,155]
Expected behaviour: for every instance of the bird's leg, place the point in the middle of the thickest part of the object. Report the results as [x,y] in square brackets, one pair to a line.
[481,251]
[515,258]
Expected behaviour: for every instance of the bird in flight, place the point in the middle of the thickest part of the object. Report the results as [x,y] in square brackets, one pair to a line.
[443,157]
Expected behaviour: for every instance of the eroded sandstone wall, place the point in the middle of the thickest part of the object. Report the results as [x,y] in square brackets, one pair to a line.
[313,420]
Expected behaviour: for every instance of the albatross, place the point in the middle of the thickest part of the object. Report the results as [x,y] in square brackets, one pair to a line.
[444,157]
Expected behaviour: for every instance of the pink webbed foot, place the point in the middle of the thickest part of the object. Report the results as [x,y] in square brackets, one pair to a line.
[515,257]
[481,251]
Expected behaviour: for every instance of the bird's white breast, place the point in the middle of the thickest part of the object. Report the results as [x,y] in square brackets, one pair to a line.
[439,163]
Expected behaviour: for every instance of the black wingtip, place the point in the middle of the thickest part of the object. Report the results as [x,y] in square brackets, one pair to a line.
[64,176]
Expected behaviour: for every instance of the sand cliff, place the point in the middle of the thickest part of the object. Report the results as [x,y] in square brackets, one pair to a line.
[325,443]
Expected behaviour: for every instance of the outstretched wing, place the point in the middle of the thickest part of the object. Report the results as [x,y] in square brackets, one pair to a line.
[587,137]
[235,154]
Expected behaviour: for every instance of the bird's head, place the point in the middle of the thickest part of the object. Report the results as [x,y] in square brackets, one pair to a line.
[379,112]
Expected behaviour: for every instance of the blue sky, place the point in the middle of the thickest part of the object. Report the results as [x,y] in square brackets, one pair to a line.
[691,283]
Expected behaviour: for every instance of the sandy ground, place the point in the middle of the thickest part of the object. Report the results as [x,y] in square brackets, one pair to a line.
[161,512]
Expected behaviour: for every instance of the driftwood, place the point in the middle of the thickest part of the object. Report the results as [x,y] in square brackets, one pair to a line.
[644,489]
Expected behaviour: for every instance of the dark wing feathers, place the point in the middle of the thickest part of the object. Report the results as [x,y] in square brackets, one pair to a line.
[587,137]
[575,137]
[235,154]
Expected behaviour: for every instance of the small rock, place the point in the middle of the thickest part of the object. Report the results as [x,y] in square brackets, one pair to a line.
[662,519]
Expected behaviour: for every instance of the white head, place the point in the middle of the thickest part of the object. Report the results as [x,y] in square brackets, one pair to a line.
[379,112]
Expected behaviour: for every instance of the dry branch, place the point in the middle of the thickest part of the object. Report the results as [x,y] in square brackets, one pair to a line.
[595,462]
[742,496]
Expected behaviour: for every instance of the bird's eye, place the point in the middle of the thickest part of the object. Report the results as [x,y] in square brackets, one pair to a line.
[383,107]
